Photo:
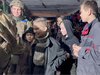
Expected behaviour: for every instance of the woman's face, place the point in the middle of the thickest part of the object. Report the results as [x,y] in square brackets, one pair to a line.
[40,30]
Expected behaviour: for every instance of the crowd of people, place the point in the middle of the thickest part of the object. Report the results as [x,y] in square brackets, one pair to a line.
[31,48]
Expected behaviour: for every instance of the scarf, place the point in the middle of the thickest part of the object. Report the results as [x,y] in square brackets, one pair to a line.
[39,54]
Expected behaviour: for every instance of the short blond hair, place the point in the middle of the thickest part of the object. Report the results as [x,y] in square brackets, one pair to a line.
[43,21]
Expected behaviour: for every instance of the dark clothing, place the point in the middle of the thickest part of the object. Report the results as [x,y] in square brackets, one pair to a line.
[89,54]
[67,45]
[24,58]
[54,56]
[38,70]
[30,63]
[22,65]
[59,35]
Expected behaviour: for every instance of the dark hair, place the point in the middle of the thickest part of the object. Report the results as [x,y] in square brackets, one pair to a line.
[62,17]
[91,4]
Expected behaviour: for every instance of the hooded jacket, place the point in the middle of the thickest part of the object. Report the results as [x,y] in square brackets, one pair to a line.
[67,43]
[70,40]
[23,62]
[29,30]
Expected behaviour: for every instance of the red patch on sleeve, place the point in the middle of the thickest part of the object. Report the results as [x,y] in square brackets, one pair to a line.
[85,32]
[88,49]
[93,46]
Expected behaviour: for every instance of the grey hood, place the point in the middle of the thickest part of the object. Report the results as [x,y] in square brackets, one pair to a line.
[71,39]
[69,29]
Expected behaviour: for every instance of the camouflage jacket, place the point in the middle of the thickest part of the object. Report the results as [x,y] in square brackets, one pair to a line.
[12,43]
[22,24]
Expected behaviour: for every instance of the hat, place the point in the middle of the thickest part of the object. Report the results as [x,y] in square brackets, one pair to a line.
[29,30]
[18,3]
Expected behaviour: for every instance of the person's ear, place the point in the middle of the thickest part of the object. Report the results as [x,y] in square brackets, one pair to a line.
[45,28]
[89,12]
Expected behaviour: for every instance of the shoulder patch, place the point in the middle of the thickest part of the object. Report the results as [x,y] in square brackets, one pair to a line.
[24,20]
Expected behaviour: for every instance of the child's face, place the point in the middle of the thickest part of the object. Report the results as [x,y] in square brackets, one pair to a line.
[63,30]
[39,30]
[84,14]
[29,37]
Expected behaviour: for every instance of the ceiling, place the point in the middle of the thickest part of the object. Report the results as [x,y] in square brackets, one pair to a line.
[50,8]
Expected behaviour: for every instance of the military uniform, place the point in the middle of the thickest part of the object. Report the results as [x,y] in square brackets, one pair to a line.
[21,21]
[22,25]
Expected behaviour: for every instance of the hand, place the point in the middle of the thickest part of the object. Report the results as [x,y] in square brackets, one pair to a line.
[68,55]
[76,49]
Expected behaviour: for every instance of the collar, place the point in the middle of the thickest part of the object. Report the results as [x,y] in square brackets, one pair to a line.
[91,23]
[95,21]
[17,19]
[49,43]
[88,26]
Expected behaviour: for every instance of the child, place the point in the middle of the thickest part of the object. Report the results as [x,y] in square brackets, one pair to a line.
[23,62]
[48,54]
[88,52]
[68,39]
